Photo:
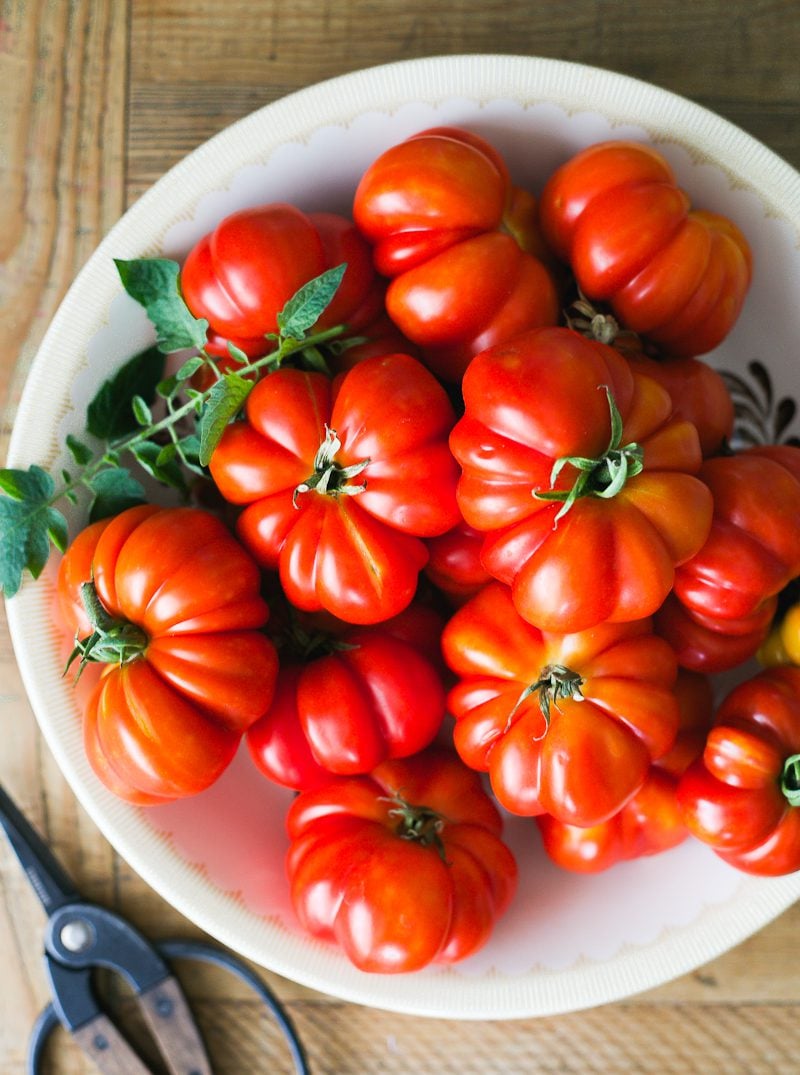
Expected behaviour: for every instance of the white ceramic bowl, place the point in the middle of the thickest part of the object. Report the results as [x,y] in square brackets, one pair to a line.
[568,941]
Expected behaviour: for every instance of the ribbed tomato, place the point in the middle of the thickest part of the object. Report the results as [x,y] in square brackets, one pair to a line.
[175,617]
[347,699]
[566,724]
[402,868]
[677,275]
[459,242]
[743,797]
[650,822]
[341,482]
[242,274]
[582,478]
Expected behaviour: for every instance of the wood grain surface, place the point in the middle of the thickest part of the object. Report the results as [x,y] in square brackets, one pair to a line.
[97,99]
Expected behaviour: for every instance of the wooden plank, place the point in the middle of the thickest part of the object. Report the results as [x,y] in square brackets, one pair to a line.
[762,968]
[343,1039]
[252,55]
[62,96]
[62,81]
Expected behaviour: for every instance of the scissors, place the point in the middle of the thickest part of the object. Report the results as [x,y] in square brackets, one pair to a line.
[81,936]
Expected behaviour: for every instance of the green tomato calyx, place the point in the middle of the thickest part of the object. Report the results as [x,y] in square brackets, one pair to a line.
[328,478]
[297,642]
[111,641]
[604,476]
[555,684]
[599,324]
[790,780]
[422,824]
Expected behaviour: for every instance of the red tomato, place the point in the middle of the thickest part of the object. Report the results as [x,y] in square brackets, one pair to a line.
[639,511]
[194,671]
[455,563]
[355,700]
[711,644]
[456,237]
[678,276]
[651,821]
[567,724]
[699,395]
[340,484]
[742,797]
[402,868]
[242,274]
[752,550]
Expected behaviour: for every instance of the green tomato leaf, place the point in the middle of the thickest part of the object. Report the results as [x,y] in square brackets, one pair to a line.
[110,415]
[190,447]
[168,387]
[80,452]
[189,452]
[15,524]
[27,525]
[155,284]
[190,367]
[304,308]
[57,529]
[141,412]
[224,402]
[192,393]
[167,454]
[147,454]
[237,354]
[114,490]
[33,484]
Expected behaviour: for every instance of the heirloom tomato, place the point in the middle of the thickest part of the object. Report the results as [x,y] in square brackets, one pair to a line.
[458,240]
[401,868]
[341,481]
[672,273]
[582,478]
[168,601]
[711,644]
[241,275]
[699,395]
[753,550]
[742,798]
[651,821]
[567,724]
[346,701]
[455,565]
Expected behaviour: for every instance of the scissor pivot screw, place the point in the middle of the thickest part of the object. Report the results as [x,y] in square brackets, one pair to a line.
[76,935]
[164,1007]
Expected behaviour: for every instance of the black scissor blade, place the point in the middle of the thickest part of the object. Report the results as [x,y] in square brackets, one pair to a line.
[47,876]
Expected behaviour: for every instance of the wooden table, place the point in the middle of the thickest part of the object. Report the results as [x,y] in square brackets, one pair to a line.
[98,98]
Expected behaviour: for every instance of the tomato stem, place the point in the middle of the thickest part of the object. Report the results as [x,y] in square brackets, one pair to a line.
[790,780]
[287,346]
[111,641]
[422,824]
[599,325]
[295,642]
[328,478]
[604,476]
[556,682]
